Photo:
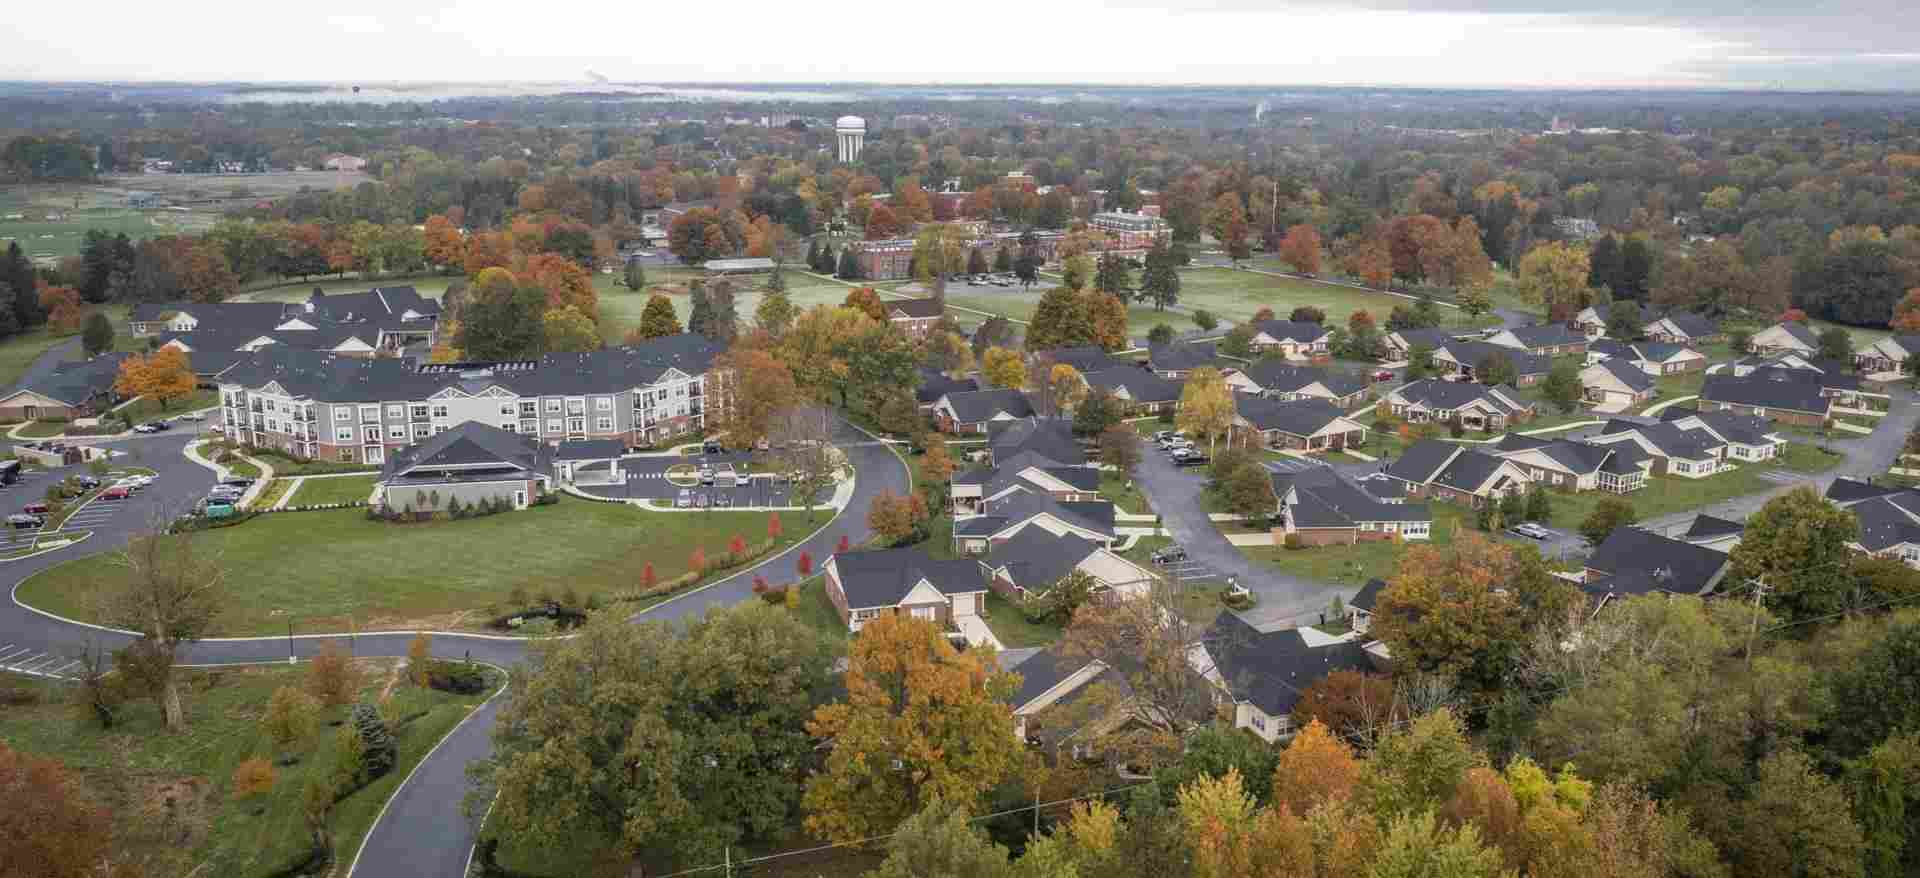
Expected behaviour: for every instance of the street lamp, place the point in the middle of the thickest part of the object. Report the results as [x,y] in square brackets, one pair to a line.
[290,658]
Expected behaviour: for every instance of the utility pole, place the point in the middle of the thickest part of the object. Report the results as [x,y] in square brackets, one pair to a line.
[1759,591]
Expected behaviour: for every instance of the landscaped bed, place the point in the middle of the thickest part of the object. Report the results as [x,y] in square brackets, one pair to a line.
[172,793]
[324,570]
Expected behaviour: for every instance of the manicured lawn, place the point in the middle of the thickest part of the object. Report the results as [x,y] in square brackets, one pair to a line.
[287,466]
[1143,549]
[1668,494]
[238,468]
[148,408]
[271,493]
[1352,566]
[17,352]
[200,829]
[429,285]
[43,429]
[1125,492]
[325,569]
[620,307]
[1238,294]
[817,610]
[342,489]
[1012,628]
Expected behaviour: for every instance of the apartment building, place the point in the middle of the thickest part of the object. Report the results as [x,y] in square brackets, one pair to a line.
[324,406]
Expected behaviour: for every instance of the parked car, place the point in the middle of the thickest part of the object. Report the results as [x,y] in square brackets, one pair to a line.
[1383,375]
[723,499]
[88,482]
[159,425]
[24,521]
[706,475]
[145,480]
[116,492]
[34,509]
[145,428]
[684,501]
[1194,459]
[1529,529]
[713,446]
[1170,554]
[235,481]
[193,416]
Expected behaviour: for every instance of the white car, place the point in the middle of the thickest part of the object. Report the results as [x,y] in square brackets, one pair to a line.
[192,416]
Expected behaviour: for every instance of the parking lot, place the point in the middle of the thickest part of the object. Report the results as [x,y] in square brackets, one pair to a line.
[31,488]
[36,663]
[647,479]
[1293,465]
[1188,570]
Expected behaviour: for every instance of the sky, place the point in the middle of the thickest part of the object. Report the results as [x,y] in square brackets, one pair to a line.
[1850,44]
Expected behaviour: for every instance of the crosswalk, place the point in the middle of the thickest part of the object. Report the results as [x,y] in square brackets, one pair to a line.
[34,663]
[1782,477]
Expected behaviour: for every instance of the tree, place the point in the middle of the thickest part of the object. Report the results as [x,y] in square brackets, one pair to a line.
[1067,385]
[914,705]
[1608,515]
[1605,263]
[1467,610]
[172,596]
[1110,276]
[332,677]
[897,520]
[48,827]
[1872,698]
[253,778]
[866,300]
[1145,638]
[1797,546]
[938,840]
[1539,504]
[948,352]
[1474,300]
[96,337]
[700,316]
[290,718]
[1308,314]
[658,319]
[1120,448]
[1350,704]
[503,319]
[775,313]
[1160,334]
[1316,767]
[1003,368]
[724,324]
[1623,322]
[882,223]
[1418,845]
[1108,315]
[1205,319]
[635,277]
[1562,386]
[1836,344]
[1061,319]
[1300,249]
[1497,368]
[1795,822]
[1554,276]
[566,329]
[661,739]
[1418,768]
[1906,314]
[762,387]
[1159,282]
[420,659]
[997,331]
[1206,405]
[163,375]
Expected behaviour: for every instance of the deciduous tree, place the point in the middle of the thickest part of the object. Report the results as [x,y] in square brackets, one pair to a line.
[1300,249]
[866,300]
[172,596]
[1467,610]
[658,318]
[1206,405]
[1608,515]
[1797,546]
[566,329]
[1004,368]
[1554,276]
[48,827]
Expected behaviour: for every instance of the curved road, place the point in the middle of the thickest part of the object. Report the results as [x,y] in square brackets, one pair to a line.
[422,832]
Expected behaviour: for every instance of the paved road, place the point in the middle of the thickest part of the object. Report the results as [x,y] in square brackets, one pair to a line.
[423,833]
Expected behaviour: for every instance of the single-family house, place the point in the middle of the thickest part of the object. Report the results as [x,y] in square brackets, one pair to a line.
[1467,360]
[1718,534]
[72,390]
[1592,320]
[1546,339]
[1318,506]
[1632,562]
[1747,438]
[1294,339]
[1889,518]
[1777,398]
[1020,510]
[1262,675]
[1888,354]
[1083,359]
[935,384]
[1278,380]
[915,317]
[1577,466]
[906,582]
[465,464]
[1651,357]
[1748,365]
[1676,451]
[1457,473]
[1783,338]
[1401,342]
[971,411]
[1684,327]
[1137,390]
[1360,609]
[1051,438]
[1615,384]
[1033,560]
[974,491]
[1177,360]
[1300,425]
[1477,406]
[1053,678]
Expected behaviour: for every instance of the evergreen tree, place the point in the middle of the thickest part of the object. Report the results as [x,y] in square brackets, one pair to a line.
[9,324]
[18,273]
[1604,265]
[813,254]
[96,265]
[1159,283]
[701,316]
[849,266]
[636,278]
[658,318]
[1111,275]
[1636,270]
[827,261]
[724,320]
[777,281]
[378,750]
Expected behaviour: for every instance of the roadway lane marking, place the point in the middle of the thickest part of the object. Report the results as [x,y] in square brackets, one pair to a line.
[12,652]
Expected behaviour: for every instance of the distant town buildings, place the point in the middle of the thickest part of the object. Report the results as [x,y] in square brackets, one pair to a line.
[852,133]
[340,161]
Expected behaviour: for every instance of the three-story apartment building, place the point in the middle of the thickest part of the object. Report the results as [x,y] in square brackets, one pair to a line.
[324,406]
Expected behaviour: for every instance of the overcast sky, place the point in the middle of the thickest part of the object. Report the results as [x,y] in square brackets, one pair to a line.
[1712,43]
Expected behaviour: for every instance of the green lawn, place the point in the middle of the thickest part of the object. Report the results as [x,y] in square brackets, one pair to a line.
[200,829]
[817,610]
[1124,492]
[1669,494]
[327,569]
[17,352]
[147,408]
[433,286]
[43,429]
[342,489]
[620,307]
[1352,566]
[1012,628]
[271,493]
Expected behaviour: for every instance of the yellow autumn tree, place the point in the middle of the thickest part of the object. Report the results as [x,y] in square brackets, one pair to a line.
[1003,368]
[1206,404]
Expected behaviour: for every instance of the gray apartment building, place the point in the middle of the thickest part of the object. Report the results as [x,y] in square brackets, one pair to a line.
[325,406]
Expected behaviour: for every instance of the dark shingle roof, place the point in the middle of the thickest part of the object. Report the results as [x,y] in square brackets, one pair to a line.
[1469,470]
[1546,335]
[1888,521]
[1044,670]
[334,378]
[1272,670]
[973,407]
[1182,357]
[1049,438]
[1325,498]
[1640,562]
[1282,377]
[77,383]
[1846,490]
[1694,325]
[1141,384]
[1368,594]
[883,578]
[1451,395]
[1708,527]
[1422,460]
[589,449]
[1084,359]
[1299,417]
[915,308]
[1796,396]
[466,445]
[1036,559]
[935,384]
[1476,353]
[1628,374]
[1291,330]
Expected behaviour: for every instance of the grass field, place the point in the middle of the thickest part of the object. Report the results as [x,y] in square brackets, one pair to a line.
[17,352]
[1668,494]
[343,489]
[1351,566]
[431,286]
[171,793]
[326,569]
[147,408]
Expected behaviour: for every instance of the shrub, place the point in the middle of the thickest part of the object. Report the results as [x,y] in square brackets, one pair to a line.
[419,656]
[290,717]
[349,762]
[463,678]
[1292,541]
[380,753]
[775,596]
[332,677]
[253,777]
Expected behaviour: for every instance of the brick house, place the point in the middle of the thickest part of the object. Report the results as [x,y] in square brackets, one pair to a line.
[1778,398]
[866,585]
[1458,474]
[1318,506]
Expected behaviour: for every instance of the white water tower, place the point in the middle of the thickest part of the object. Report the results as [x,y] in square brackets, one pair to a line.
[853,137]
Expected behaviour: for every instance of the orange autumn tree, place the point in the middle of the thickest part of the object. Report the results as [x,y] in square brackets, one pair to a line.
[867,301]
[1300,249]
[62,307]
[1469,609]
[921,720]
[164,375]
[564,282]
[1906,314]
[444,245]
[48,826]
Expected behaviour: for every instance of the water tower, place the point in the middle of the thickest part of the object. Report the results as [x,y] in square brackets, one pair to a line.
[853,137]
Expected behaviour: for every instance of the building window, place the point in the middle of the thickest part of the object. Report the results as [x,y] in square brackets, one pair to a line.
[507,426]
[923,612]
[397,432]
[343,413]
[576,425]
[1681,466]
[604,425]
[372,434]
[396,410]
[369,413]
[421,431]
[1258,719]
[506,409]
[343,434]
[553,425]
[419,411]
[439,411]
[603,403]
[529,408]
[553,406]
[346,454]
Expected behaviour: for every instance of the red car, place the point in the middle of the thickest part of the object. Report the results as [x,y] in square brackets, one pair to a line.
[1383,375]
[117,492]
[35,509]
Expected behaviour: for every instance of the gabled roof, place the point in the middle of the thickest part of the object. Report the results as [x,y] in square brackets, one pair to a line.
[1421,461]
[1800,332]
[76,383]
[1298,417]
[1888,521]
[1325,498]
[1707,527]
[1291,330]
[1432,338]
[468,449]
[1796,396]
[1044,670]
[1182,356]
[1450,395]
[1084,358]
[1368,595]
[1048,437]
[935,384]
[1273,669]
[1142,385]
[1846,490]
[1626,373]
[1640,562]
[1663,351]
[915,309]
[1546,335]
[1730,426]
[1475,353]
[1036,559]
[1822,373]
[1469,470]
[1577,457]
[590,449]
[975,406]
[1668,438]
[1281,377]
[334,378]
[1012,463]
[1694,325]
[1096,516]
[885,577]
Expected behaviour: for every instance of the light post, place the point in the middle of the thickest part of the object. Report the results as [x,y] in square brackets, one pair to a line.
[290,658]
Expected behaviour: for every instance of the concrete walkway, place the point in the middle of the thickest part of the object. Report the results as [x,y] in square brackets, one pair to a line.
[976,631]
[222,473]
[1655,409]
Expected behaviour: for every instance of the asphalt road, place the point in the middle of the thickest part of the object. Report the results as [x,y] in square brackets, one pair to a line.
[423,832]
